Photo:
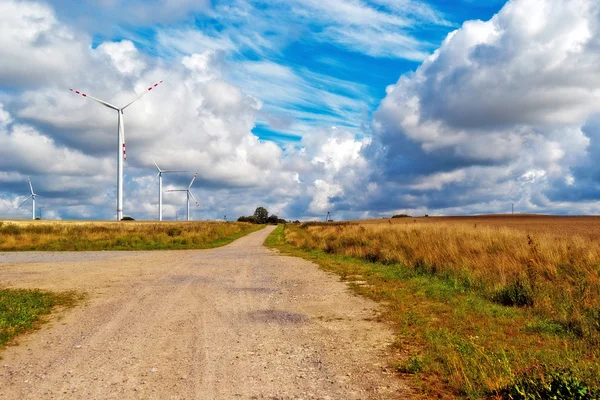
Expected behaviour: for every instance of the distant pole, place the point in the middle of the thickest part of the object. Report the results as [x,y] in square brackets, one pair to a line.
[225,218]
[40,208]
[328,218]
[176,215]
[512,207]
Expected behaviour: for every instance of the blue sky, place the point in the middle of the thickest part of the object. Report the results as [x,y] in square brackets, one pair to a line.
[294,42]
[364,108]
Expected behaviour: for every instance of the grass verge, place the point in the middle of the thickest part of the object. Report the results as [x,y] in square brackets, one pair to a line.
[453,341]
[22,310]
[57,236]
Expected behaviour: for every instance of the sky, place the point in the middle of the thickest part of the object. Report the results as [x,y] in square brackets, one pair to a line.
[361,108]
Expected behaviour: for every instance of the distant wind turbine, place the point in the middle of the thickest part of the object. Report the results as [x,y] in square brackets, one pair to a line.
[160,191]
[189,193]
[121,153]
[32,197]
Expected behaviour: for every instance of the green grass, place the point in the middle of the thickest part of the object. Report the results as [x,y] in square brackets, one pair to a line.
[22,309]
[451,339]
[57,236]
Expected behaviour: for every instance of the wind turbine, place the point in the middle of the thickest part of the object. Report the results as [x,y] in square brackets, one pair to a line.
[32,197]
[189,193]
[121,153]
[159,176]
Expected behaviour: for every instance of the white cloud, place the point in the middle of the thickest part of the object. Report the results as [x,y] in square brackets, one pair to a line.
[34,47]
[124,56]
[500,101]
[323,191]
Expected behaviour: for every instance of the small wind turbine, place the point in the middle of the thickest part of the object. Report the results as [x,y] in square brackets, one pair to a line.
[189,193]
[32,197]
[121,153]
[159,176]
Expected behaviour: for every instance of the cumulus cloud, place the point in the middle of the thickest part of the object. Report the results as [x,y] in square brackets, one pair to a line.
[194,121]
[496,114]
[34,47]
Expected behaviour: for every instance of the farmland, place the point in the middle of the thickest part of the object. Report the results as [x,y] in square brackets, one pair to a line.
[72,235]
[479,304]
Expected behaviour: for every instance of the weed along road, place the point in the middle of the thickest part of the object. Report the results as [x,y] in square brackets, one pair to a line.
[240,321]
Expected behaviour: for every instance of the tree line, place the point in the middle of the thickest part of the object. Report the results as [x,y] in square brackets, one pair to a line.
[261,216]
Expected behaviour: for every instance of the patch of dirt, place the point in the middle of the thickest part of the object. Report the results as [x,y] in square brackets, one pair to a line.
[240,321]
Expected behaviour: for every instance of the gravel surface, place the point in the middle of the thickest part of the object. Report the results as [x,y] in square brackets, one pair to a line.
[236,322]
[55,256]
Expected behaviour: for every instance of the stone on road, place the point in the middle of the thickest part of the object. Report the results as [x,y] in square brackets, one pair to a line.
[236,322]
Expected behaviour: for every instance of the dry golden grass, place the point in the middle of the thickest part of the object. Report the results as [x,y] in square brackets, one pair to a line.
[557,273]
[476,301]
[76,235]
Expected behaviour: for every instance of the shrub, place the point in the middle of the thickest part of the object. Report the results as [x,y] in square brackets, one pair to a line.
[537,383]
[126,218]
[401,216]
[251,219]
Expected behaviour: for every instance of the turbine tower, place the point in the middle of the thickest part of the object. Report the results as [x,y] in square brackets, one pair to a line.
[121,153]
[159,176]
[32,197]
[189,193]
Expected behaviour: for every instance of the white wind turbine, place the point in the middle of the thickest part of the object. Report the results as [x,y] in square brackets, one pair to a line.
[32,197]
[160,191]
[189,193]
[121,153]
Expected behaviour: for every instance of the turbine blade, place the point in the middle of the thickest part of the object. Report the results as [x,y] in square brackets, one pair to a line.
[152,184]
[193,179]
[197,204]
[24,201]
[173,170]
[141,94]
[155,164]
[30,187]
[104,103]
[177,190]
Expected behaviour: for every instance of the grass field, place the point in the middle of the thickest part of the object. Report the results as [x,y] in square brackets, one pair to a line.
[62,236]
[22,310]
[482,306]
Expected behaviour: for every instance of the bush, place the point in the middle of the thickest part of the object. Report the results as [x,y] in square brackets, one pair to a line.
[537,383]
[251,219]
[401,216]
[126,218]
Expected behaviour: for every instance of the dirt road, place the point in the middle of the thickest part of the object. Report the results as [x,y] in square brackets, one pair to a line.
[237,322]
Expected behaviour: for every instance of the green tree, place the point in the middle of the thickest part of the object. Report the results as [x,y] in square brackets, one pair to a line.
[261,215]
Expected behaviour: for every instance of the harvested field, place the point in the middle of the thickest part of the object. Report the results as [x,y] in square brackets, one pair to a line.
[586,226]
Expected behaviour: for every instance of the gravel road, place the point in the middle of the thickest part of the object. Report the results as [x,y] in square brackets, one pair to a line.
[236,322]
